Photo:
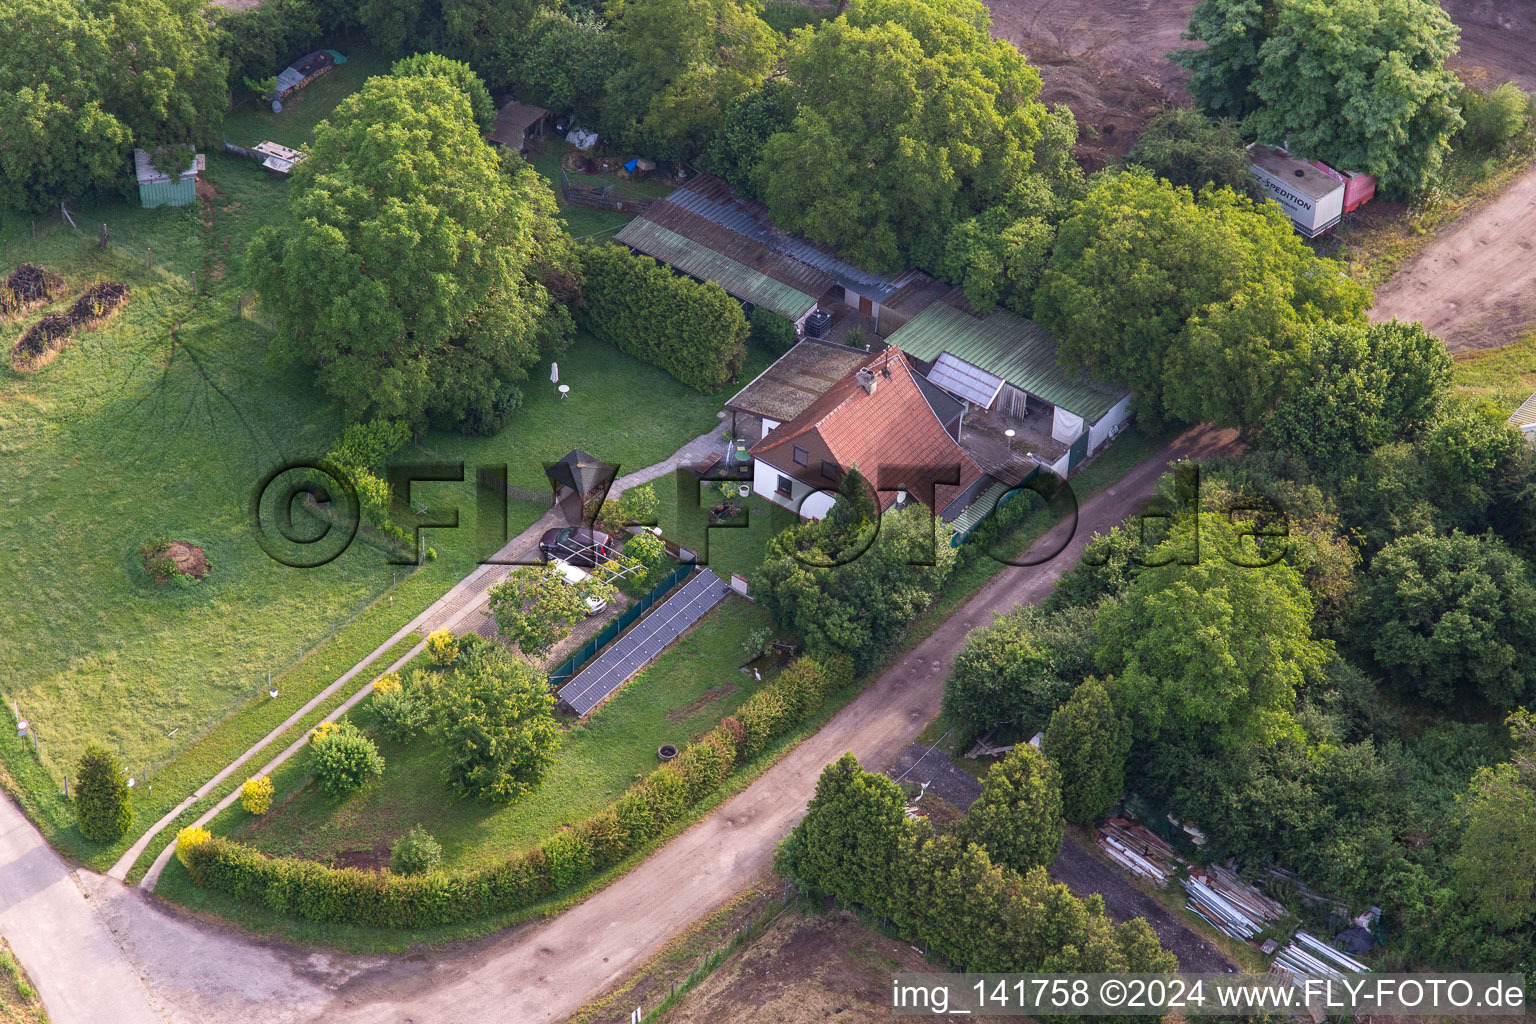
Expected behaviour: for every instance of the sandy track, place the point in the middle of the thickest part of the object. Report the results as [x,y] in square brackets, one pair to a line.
[1474,285]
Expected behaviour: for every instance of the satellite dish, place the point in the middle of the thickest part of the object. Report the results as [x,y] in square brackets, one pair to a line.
[277,106]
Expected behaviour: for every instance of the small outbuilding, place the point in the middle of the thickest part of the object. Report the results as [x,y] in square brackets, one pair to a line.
[1523,419]
[305,70]
[579,475]
[158,188]
[518,125]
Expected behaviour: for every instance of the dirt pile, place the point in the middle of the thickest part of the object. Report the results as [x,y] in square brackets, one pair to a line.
[164,561]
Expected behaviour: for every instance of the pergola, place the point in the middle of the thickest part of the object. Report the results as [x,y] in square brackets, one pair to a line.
[583,475]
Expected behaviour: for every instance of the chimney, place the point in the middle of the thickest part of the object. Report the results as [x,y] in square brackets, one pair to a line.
[866,379]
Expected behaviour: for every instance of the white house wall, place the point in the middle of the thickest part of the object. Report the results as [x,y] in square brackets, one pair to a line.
[765,481]
[1116,417]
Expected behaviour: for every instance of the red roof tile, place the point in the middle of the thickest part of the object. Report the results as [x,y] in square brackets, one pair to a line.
[892,435]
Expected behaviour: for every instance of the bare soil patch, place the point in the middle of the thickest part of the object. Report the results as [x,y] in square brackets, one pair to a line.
[175,558]
[26,288]
[1475,284]
[1498,40]
[1104,59]
[374,858]
[703,700]
[805,969]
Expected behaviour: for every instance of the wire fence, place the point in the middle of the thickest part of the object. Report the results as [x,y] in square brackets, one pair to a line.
[560,676]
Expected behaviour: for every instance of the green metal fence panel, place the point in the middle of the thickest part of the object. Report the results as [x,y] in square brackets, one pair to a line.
[610,632]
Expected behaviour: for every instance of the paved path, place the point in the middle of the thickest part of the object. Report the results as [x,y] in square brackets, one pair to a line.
[453,611]
[56,934]
[544,970]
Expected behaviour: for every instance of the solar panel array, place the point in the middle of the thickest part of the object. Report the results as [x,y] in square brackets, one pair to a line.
[607,672]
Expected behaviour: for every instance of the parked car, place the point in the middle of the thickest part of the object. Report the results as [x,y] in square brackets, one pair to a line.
[577,545]
[575,577]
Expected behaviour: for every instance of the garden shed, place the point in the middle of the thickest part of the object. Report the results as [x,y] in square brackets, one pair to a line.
[157,188]
[517,125]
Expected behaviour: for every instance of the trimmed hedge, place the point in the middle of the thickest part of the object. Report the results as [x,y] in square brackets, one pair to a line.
[693,330]
[378,899]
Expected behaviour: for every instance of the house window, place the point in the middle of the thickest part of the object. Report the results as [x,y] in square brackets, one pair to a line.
[786,486]
[802,457]
[829,469]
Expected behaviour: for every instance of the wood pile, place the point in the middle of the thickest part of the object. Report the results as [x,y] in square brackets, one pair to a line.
[1139,851]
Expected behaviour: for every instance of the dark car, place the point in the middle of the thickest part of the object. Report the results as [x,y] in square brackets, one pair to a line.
[577,545]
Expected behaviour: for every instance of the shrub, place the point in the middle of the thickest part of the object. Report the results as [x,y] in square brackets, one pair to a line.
[692,330]
[442,648]
[102,804]
[402,712]
[773,332]
[647,549]
[256,795]
[755,644]
[415,853]
[1495,118]
[343,758]
[187,840]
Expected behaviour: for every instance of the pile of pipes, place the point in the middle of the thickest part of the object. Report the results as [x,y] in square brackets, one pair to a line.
[1139,851]
[1310,957]
[1230,904]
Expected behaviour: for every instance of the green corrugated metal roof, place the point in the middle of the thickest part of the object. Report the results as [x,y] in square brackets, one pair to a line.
[704,263]
[984,505]
[1018,350]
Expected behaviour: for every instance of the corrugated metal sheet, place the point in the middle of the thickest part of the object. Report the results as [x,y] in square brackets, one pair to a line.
[978,510]
[1525,417]
[971,383]
[699,261]
[168,193]
[713,199]
[1019,351]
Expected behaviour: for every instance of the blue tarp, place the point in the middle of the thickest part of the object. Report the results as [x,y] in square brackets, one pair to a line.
[633,163]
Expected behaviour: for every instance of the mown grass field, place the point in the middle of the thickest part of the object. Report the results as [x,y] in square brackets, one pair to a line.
[160,424]
[1504,376]
[685,692]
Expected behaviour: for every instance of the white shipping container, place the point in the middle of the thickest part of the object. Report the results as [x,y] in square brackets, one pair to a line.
[1313,199]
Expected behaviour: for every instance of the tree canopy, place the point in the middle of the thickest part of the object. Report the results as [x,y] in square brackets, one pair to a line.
[1213,648]
[1017,818]
[1360,84]
[1195,303]
[1019,669]
[535,606]
[682,62]
[1449,615]
[82,82]
[1089,740]
[413,268]
[1365,386]
[1187,148]
[911,116]
[1495,867]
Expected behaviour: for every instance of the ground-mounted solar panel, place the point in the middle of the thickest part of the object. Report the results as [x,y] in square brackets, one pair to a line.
[652,635]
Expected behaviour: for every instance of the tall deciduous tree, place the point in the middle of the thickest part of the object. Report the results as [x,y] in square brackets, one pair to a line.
[1193,303]
[1203,646]
[1449,615]
[1495,868]
[413,269]
[844,844]
[1019,669]
[910,118]
[683,62]
[1089,740]
[1018,815]
[1187,148]
[1364,387]
[1361,84]
[167,78]
[459,74]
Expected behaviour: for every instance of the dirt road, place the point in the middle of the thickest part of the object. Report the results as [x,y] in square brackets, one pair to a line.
[1475,284]
[1104,59]
[1498,40]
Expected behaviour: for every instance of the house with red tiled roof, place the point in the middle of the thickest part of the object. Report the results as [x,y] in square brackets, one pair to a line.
[886,419]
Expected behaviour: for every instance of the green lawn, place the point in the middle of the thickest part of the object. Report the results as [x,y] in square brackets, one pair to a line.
[1504,376]
[160,424]
[253,121]
[684,693]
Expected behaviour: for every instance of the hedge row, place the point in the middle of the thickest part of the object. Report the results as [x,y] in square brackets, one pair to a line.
[693,330]
[377,899]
